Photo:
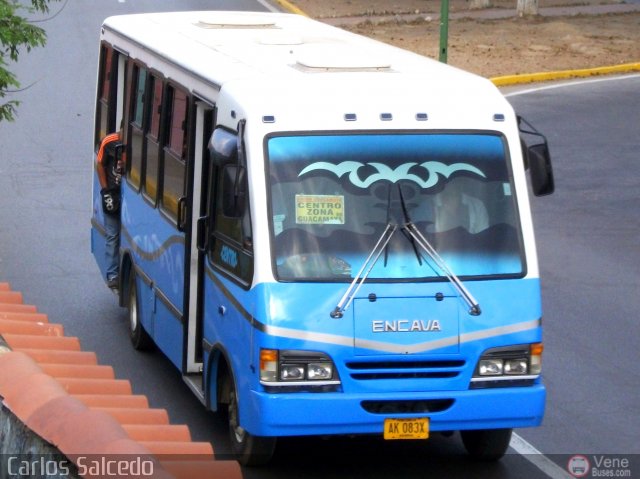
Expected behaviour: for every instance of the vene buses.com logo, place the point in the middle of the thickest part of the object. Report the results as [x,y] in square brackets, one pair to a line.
[601,465]
[578,466]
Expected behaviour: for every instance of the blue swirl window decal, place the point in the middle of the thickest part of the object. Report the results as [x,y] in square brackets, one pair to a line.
[386,173]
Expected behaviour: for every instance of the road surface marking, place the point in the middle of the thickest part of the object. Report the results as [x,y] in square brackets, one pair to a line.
[542,462]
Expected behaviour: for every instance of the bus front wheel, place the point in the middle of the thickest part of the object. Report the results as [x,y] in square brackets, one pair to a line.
[486,444]
[249,450]
[140,339]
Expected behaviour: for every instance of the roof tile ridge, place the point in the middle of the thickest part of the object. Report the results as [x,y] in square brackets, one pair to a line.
[63,395]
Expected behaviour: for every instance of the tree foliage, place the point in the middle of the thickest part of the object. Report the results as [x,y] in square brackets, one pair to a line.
[17,34]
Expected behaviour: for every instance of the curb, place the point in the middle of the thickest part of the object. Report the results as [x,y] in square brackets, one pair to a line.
[565,74]
[509,80]
[290,7]
[63,396]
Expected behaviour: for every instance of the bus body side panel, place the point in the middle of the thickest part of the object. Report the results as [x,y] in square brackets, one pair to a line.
[157,251]
[228,327]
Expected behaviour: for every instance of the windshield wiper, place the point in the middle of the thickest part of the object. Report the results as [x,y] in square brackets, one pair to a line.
[417,238]
[474,307]
[405,214]
[366,268]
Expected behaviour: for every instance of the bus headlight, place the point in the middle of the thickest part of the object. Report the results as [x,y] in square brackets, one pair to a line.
[320,371]
[507,366]
[516,366]
[284,367]
[490,367]
[292,372]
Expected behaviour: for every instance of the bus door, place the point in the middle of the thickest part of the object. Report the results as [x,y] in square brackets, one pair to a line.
[195,224]
[109,111]
[228,305]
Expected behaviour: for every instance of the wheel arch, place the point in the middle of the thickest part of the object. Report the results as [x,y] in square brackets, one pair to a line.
[126,267]
[219,371]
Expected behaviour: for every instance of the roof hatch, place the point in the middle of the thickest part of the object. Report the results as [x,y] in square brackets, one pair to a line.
[339,57]
[233,20]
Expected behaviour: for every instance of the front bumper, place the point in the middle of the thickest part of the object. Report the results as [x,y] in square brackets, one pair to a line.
[302,414]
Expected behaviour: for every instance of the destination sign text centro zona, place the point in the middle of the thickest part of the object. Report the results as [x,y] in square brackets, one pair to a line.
[405,325]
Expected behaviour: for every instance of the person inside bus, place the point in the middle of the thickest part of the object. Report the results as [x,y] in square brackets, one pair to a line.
[457,209]
[109,166]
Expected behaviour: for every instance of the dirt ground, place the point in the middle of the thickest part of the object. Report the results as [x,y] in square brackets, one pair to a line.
[480,43]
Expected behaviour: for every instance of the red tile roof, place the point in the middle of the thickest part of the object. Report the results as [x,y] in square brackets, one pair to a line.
[62,394]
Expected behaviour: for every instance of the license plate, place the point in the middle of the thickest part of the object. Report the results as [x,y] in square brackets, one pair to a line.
[406,428]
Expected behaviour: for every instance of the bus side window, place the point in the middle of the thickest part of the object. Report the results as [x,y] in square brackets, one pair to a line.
[153,138]
[175,153]
[138,124]
[107,83]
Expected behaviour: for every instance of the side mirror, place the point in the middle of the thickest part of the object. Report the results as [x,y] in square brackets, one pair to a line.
[223,147]
[540,169]
[537,159]
[227,154]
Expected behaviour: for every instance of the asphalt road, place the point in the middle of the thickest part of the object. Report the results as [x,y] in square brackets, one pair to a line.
[589,254]
[587,236]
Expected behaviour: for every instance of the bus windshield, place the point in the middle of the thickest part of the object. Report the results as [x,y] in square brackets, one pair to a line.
[333,195]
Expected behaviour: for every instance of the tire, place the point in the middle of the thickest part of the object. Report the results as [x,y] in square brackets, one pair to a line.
[486,444]
[248,449]
[140,339]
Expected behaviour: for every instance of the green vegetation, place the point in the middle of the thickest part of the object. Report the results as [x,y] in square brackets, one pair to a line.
[17,34]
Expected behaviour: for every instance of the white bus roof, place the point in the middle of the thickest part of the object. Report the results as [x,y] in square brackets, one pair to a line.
[305,74]
[278,51]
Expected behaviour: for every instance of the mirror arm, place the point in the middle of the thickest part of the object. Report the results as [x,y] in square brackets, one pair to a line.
[522,124]
[242,161]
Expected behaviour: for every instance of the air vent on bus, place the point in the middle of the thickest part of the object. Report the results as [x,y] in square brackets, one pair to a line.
[407,407]
[221,20]
[338,58]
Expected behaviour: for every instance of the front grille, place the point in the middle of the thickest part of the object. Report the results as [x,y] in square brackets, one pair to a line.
[434,369]
[407,407]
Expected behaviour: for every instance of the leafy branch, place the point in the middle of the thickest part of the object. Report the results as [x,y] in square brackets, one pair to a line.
[17,34]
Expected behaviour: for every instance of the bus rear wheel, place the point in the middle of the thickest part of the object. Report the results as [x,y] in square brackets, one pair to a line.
[140,339]
[249,450]
[486,444]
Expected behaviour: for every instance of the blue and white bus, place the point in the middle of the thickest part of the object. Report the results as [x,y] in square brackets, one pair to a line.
[325,234]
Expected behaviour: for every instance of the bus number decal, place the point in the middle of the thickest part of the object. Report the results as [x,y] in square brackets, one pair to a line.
[229,256]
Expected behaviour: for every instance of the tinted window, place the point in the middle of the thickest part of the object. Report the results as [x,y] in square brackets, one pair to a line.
[332,197]
[136,138]
[103,114]
[152,163]
[175,156]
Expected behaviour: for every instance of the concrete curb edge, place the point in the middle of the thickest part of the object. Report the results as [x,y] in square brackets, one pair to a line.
[564,74]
